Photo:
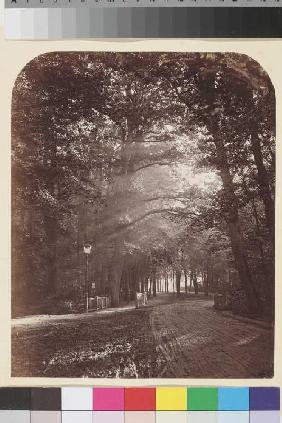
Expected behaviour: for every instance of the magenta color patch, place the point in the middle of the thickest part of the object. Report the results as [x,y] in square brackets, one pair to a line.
[108,399]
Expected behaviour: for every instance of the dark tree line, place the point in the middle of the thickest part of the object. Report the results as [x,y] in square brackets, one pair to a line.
[164,163]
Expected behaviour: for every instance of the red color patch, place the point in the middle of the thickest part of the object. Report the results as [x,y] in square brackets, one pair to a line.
[139,399]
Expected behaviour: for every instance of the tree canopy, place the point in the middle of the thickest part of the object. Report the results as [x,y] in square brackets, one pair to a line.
[163,162]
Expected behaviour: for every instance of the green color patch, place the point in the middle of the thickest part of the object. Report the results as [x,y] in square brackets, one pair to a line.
[204,399]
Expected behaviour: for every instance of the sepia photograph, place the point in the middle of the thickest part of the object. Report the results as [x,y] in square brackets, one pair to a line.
[143,216]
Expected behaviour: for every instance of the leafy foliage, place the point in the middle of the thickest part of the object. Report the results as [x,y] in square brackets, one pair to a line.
[163,162]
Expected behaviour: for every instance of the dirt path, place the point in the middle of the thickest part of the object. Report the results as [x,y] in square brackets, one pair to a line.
[196,341]
[47,319]
[169,338]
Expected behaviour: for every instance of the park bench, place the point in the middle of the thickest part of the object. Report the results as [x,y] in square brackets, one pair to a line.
[140,299]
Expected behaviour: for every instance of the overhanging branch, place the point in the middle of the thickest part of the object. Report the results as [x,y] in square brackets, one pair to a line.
[154,164]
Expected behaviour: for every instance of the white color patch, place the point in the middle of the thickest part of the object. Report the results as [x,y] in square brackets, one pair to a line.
[77,398]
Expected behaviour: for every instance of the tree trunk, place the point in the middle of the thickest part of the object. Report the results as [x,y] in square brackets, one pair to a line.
[178,279]
[154,282]
[268,281]
[205,283]
[209,274]
[142,284]
[147,284]
[127,288]
[115,292]
[51,242]
[115,280]
[191,280]
[186,281]
[173,281]
[264,186]
[258,232]
[232,219]
[195,283]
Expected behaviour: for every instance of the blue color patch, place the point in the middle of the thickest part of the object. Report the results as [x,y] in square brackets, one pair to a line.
[233,399]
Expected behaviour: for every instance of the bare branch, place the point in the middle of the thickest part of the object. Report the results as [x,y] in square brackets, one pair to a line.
[167,197]
[144,216]
[154,164]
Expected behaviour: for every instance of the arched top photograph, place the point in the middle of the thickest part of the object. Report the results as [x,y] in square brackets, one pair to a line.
[143,216]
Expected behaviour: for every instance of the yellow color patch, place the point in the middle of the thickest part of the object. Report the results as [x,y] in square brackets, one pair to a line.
[171,399]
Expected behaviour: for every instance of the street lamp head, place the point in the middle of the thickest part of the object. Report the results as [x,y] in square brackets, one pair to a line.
[87,248]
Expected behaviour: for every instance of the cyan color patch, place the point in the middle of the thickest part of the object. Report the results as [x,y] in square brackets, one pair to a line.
[233,399]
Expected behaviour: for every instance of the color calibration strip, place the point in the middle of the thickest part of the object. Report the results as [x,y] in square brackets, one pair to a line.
[140,405]
[60,22]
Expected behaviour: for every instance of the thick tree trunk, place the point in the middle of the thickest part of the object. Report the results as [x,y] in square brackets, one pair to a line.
[51,242]
[268,280]
[264,188]
[115,292]
[242,264]
[191,280]
[178,279]
[209,274]
[195,283]
[147,284]
[127,289]
[268,273]
[173,281]
[150,287]
[258,232]
[232,219]
[115,280]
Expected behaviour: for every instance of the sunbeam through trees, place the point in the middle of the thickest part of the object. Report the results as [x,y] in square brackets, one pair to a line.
[164,164]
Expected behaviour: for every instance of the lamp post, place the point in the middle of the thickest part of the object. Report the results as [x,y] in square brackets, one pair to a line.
[87,250]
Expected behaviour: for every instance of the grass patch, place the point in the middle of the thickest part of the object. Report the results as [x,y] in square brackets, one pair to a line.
[114,345]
